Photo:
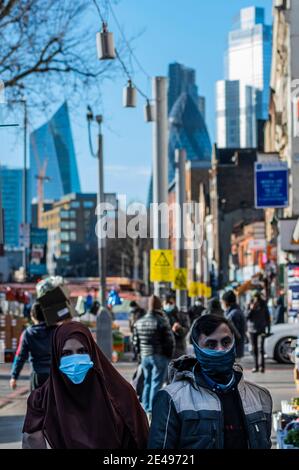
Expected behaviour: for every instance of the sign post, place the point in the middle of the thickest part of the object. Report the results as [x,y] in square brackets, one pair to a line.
[161,266]
[271,185]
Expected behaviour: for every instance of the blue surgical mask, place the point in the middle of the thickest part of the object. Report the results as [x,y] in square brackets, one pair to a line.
[76,366]
[214,361]
[168,308]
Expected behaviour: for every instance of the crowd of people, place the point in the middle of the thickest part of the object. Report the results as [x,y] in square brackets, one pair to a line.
[79,400]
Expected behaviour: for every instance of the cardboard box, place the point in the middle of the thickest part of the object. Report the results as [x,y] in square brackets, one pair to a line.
[56,296]
[58,312]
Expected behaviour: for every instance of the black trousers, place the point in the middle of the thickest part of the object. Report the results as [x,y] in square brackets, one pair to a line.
[37,380]
[257,340]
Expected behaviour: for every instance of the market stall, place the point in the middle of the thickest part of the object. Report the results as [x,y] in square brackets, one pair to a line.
[286,425]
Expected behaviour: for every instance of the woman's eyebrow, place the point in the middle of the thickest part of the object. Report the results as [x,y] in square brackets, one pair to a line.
[226,337]
[211,341]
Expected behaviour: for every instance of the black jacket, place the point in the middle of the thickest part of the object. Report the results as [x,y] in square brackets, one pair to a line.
[259,319]
[236,316]
[195,312]
[36,344]
[180,336]
[152,335]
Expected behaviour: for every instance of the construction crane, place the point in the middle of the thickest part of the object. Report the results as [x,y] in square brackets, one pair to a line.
[41,178]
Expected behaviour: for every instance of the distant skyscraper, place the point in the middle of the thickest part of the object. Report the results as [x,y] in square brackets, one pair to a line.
[11,183]
[181,80]
[247,83]
[51,146]
[186,110]
[188,131]
[202,106]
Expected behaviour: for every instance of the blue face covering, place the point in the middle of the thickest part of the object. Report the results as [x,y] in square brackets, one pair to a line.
[168,308]
[215,362]
[76,366]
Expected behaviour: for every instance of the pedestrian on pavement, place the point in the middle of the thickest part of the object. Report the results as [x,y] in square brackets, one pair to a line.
[88,301]
[214,308]
[279,310]
[196,310]
[180,325]
[235,315]
[208,404]
[154,342]
[136,312]
[85,403]
[35,343]
[259,325]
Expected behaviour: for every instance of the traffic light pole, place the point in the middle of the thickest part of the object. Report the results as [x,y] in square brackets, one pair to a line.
[25,218]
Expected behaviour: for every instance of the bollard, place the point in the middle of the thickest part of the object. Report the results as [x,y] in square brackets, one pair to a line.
[104,332]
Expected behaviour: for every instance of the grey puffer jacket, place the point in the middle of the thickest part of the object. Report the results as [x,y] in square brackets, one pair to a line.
[152,335]
[187,414]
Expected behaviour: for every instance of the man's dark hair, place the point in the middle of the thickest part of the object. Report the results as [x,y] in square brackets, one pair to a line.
[133,304]
[37,313]
[207,324]
[229,297]
[170,298]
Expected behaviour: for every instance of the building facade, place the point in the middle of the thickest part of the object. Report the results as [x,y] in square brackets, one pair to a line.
[11,183]
[242,98]
[72,241]
[231,202]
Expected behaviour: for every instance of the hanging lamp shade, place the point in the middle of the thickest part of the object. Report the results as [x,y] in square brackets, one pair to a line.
[129,95]
[105,44]
[149,112]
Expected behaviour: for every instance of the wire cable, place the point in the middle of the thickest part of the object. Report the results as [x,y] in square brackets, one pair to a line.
[99,11]
[126,41]
[125,69]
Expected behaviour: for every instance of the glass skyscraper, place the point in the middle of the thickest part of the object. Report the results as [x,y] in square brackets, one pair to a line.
[187,128]
[188,131]
[243,97]
[11,183]
[51,146]
[181,80]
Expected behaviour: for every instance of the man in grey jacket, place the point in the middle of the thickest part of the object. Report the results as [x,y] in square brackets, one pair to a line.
[208,404]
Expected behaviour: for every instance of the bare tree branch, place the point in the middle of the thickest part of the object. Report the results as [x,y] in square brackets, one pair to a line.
[43,41]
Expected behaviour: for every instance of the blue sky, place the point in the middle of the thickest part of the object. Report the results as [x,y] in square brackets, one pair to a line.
[192,32]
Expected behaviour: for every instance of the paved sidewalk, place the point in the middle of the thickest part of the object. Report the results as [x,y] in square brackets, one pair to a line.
[6,394]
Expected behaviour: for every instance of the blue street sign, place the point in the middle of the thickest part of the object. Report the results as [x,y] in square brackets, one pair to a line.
[271,185]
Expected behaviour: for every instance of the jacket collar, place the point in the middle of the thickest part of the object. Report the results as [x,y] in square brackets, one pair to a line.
[188,368]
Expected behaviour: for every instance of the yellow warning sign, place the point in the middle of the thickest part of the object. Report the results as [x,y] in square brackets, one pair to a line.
[198,289]
[201,289]
[161,266]
[180,279]
[207,292]
[193,289]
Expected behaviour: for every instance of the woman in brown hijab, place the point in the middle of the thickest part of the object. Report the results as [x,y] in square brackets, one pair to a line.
[85,404]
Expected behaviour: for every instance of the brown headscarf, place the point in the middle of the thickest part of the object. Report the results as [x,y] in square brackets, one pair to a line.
[154,303]
[102,412]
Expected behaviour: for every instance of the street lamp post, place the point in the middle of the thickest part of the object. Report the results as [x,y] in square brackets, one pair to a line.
[104,321]
[160,166]
[180,189]
[25,218]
